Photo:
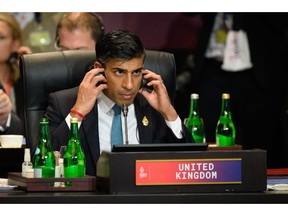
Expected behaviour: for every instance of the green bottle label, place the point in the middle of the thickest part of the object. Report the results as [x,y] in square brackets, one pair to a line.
[222,140]
[71,171]
[195,126]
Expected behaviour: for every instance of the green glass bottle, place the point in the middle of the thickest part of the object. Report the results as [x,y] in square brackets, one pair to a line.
[44,159]
[74,157]
[194,122]
[225,130]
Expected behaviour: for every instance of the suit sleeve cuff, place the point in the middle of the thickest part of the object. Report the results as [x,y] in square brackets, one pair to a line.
[2,129]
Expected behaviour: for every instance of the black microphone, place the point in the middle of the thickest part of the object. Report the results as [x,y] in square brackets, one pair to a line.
[125,113]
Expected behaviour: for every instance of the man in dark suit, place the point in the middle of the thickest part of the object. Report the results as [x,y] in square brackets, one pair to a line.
[151,117]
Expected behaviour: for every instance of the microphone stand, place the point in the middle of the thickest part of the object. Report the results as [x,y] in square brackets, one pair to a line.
[125,113]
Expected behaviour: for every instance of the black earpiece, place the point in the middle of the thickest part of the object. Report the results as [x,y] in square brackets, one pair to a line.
[100,20]
[102,82]
[144,85]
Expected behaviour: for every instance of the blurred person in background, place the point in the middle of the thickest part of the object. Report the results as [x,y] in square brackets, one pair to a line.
[77,31]
[11,109]
[258,93]
[38,29]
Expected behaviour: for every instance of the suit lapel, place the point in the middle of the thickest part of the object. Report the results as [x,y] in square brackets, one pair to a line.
[144,119]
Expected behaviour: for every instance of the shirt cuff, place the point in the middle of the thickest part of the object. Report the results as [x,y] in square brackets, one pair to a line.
[176,127]
[8,122]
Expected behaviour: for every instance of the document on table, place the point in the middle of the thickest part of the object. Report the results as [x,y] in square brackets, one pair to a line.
[277,183]
[4,185]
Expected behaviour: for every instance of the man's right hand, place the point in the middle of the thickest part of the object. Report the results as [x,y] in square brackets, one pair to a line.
[89,91]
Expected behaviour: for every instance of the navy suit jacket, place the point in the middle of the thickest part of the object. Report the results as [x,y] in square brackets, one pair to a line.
[59,107]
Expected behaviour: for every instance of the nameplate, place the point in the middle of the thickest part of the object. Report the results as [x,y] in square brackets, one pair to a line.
[189,171]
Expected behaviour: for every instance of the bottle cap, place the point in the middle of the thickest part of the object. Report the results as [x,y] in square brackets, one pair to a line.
[43,120]
[194,96]
[27,156]
[74,120]
[225,96]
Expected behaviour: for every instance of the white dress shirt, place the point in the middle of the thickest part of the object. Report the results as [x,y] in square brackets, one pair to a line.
[105,118]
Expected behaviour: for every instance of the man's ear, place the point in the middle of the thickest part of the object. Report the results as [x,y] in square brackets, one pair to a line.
[97,65]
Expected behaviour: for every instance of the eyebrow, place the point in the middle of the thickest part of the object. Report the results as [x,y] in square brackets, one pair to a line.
[122,69]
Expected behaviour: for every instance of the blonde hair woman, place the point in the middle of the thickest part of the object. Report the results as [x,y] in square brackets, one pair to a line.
[10,92]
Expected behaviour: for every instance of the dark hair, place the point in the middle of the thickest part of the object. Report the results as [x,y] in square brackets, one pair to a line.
[119,44]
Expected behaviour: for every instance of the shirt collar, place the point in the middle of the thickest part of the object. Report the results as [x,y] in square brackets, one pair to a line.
[105,104]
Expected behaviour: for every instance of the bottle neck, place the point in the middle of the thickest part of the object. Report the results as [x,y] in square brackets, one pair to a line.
[225,111]
[44,130]
[194,108]
[44,138]
[73,143]
[74,131]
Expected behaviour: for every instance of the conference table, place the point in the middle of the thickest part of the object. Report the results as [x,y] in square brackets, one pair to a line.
[19,196]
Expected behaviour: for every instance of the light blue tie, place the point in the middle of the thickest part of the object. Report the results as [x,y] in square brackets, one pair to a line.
[116,132]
